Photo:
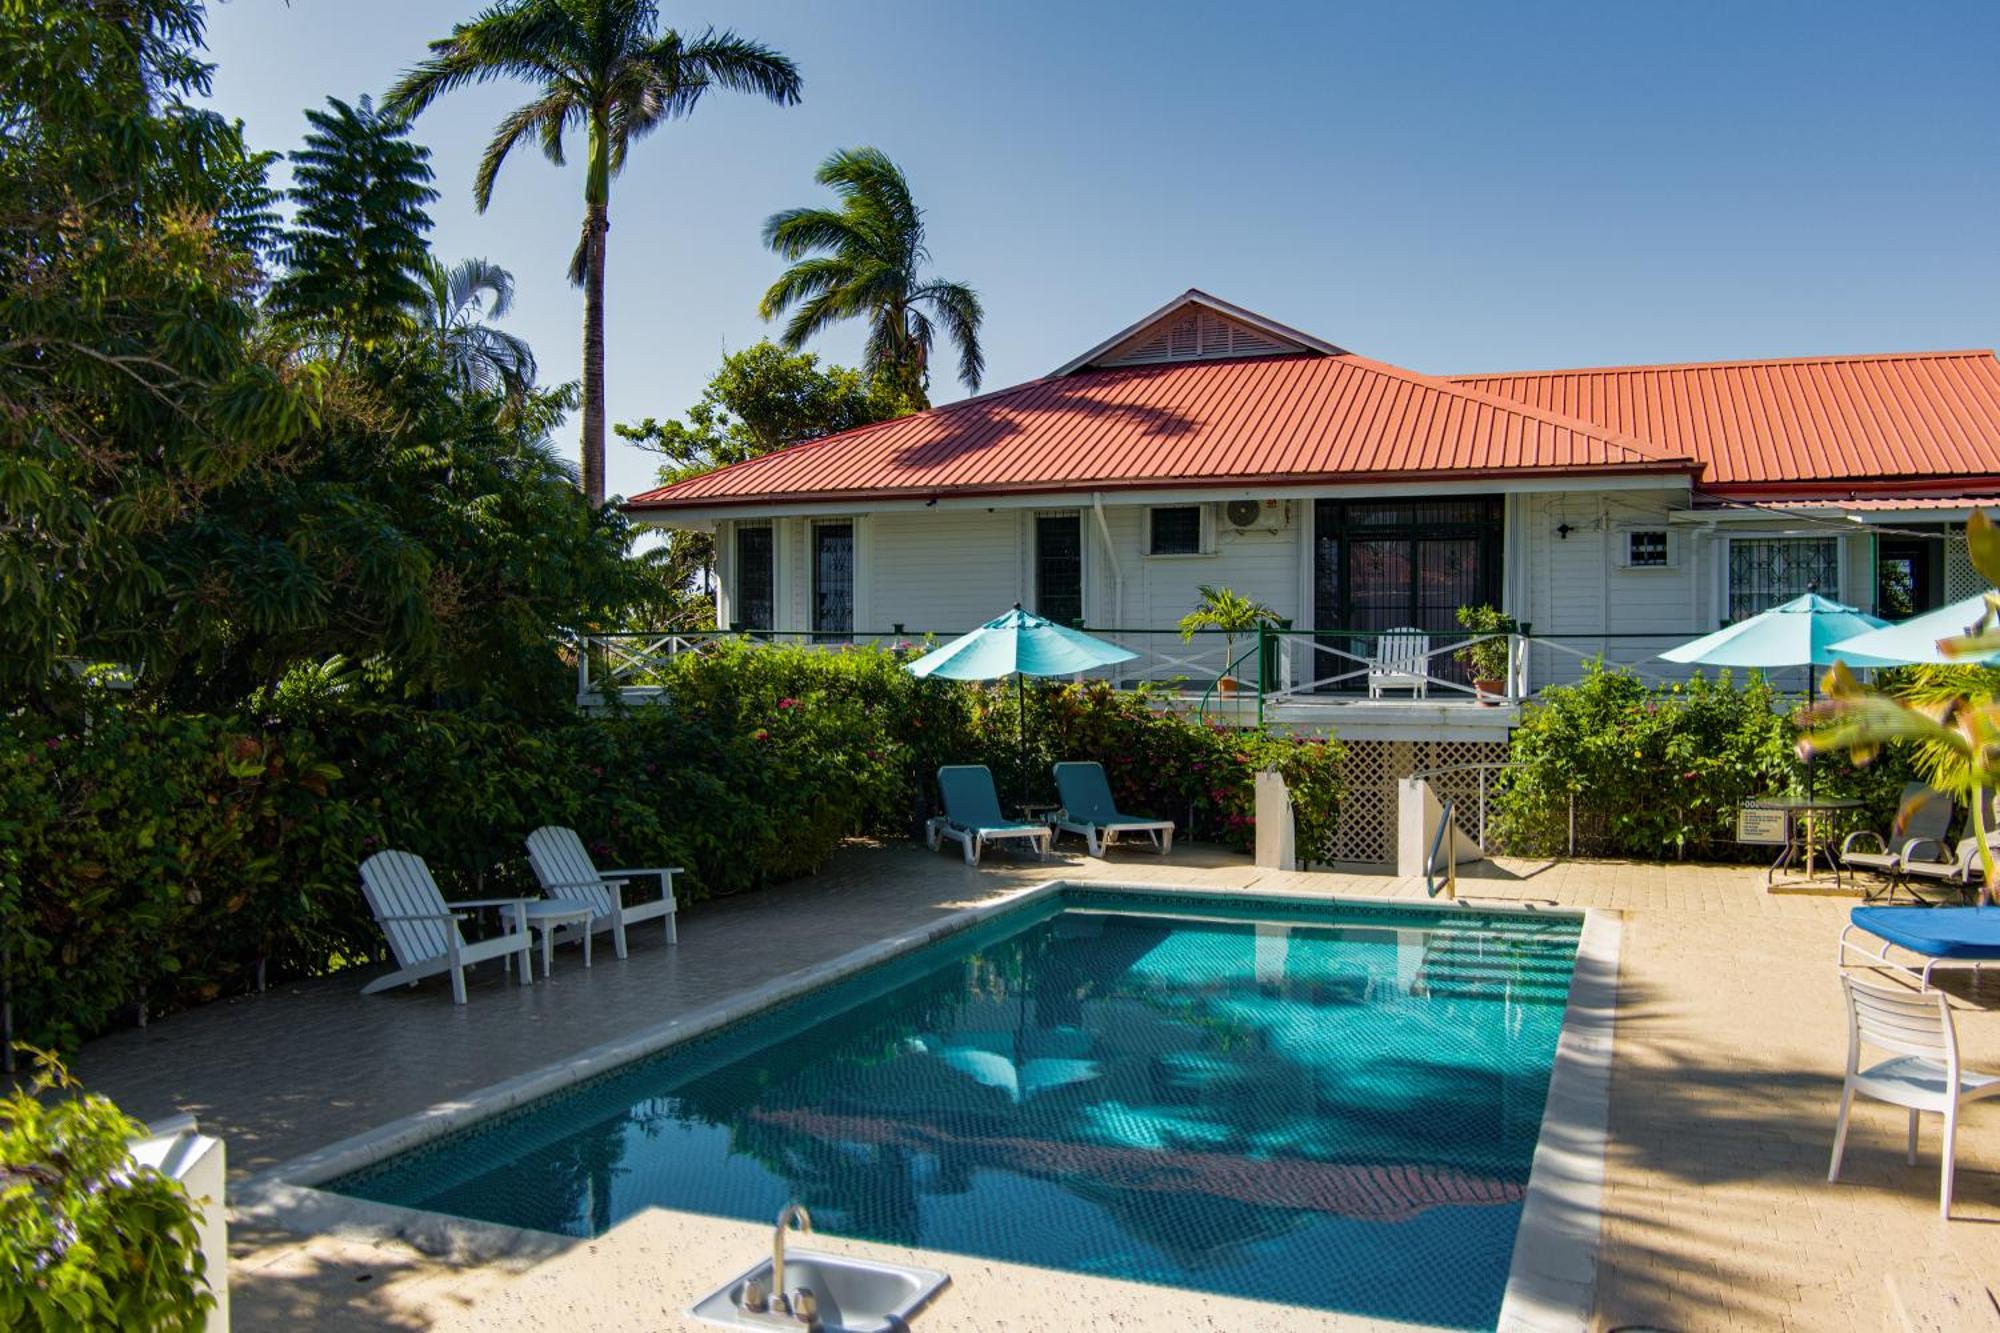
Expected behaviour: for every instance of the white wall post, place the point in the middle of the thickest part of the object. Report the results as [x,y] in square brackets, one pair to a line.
[1277,833]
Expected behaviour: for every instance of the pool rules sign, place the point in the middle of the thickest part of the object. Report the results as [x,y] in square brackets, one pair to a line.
[1756,824]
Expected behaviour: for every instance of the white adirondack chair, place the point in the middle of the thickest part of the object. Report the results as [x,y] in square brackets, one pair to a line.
[423,929]
[1401,662]
[565,870]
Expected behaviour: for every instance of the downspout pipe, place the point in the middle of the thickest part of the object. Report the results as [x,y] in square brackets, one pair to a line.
[1111,554]
[1117,571]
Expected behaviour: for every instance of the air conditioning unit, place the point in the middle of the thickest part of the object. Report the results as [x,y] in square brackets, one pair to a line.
[1257,515]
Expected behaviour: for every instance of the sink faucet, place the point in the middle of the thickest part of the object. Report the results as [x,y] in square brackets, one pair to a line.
[780,1301]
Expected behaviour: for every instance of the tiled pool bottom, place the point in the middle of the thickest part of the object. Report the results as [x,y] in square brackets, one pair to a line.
[1328,1107]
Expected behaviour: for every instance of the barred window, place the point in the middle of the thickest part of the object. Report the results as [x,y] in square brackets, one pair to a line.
[754,567]
[1646,550]
[1765,571]
[1059,567]
[833,580]
[1175,530]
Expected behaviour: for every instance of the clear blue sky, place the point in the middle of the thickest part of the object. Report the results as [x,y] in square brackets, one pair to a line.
[1449,187]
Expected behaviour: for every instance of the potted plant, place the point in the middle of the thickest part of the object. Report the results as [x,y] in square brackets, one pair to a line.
[1233,614]
[1486,659]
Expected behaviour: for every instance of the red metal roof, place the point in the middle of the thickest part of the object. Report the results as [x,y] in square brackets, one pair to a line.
[1802,420]
[1262,420]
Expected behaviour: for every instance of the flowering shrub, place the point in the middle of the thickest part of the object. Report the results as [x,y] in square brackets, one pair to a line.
[1660,771]
[1161,763]
[165,859]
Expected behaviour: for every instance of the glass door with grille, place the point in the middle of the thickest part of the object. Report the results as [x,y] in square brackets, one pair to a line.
[1400,564]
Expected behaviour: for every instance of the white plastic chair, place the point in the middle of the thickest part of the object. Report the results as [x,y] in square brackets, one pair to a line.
[1923,1074]
[1401,662]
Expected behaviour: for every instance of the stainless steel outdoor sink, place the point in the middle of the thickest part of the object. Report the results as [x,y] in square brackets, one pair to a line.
[853,1295]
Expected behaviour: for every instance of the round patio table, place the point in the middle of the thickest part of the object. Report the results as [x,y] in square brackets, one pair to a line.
[1805,830]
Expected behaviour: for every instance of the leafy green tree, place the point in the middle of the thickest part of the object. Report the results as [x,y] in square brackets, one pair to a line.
[355,253]
[87,1239]
[604,66]
[865,260]
[457,305]
[130,223]
[432,532]
[762,398]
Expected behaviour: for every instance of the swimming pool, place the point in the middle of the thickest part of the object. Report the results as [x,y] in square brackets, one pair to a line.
[1331,1106]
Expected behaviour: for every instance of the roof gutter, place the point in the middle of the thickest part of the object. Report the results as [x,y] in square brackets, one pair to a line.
[1255,486]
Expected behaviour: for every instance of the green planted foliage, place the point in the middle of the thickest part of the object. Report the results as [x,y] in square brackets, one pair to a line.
[89,1239]
[1661,770]
[1485,658]
[167,857]
[130,387]
[762,398]
[1168,765]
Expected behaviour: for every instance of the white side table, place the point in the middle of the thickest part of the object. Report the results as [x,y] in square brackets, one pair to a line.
[546,916]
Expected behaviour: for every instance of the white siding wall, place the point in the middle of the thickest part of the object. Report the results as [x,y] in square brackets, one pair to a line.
[1262,565]
[1580,596]
[943,570]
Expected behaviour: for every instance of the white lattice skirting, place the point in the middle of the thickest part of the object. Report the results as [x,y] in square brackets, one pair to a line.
[1367,827]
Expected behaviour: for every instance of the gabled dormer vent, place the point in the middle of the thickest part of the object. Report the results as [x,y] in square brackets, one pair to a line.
[1194,335]
[1195,326]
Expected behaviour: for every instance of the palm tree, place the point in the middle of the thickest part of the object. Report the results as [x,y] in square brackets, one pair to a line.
[605,66]
[864,263]
[456,304]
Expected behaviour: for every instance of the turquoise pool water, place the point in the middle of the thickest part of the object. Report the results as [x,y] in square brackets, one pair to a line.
[1328,1107]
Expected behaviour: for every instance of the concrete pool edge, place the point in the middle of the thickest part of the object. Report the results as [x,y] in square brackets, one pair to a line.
[1552,1280]
[1551,1283]
[286,1191]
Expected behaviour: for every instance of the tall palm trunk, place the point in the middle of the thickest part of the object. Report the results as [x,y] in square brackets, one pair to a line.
[596,224]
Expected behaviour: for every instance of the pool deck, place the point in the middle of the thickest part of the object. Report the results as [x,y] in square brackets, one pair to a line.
[1726,1072]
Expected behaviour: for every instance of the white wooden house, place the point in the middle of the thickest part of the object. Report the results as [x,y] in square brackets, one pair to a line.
[1613,512]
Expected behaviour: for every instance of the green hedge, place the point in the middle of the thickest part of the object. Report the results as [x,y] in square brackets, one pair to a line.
[170,858]
[1659,771]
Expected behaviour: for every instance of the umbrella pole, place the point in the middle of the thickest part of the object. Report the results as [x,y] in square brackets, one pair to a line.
[1021,733]
[1811,685]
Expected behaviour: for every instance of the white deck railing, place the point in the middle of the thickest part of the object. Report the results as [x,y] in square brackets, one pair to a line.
[1223,674]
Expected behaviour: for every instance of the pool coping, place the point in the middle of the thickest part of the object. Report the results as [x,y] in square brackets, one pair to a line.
[1551,1282]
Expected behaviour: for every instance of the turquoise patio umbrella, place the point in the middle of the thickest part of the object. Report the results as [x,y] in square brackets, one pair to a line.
[1915,640]
[1806,631]
[1019,644]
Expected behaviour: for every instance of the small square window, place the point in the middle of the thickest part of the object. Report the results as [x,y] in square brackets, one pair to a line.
[1646,550]
[1176,530]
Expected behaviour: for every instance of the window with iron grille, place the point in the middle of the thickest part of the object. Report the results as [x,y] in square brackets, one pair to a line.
[1646,550]
[1175,530]
[1059,567]
[1765,571]
[833,579]
[755,599]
